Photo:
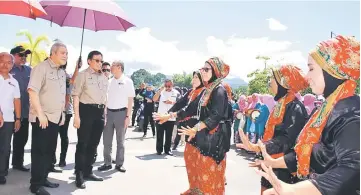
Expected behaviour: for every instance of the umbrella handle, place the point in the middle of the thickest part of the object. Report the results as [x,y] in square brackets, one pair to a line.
[79,62]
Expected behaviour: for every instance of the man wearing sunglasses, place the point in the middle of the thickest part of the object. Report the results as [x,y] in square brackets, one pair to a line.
[89,99]
[106,69]
[167,97]
[21,73]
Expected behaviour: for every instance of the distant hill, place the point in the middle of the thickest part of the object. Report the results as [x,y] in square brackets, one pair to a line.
[235,82]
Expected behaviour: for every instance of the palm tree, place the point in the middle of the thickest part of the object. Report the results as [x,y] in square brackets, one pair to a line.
[38,53]
[264,58]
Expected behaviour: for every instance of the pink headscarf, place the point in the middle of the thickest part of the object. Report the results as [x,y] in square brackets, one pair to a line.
[269,101]
[299,96]
[255,100]
[308,101]
[242,103]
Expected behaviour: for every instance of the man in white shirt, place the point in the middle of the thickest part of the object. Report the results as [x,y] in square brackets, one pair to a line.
[9,102]
[119,107]
[167,97]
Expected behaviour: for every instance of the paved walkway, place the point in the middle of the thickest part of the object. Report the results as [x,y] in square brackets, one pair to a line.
[147,173]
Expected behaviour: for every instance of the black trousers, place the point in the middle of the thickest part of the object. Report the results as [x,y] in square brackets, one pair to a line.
[167,129]
[6,131]
[64,139]
[134,114]
[43,147]
[19,141]
[148,117]
[89,134]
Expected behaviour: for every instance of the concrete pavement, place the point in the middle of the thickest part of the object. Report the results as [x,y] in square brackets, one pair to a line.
[147,173]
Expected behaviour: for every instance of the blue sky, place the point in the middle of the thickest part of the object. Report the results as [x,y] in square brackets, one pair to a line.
[178,36]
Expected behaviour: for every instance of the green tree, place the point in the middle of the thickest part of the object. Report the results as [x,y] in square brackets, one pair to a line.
[264,59]
[158,79]
[358,87]
[140,76]
[182,80]
[259,81]
[241,90]
[35,45]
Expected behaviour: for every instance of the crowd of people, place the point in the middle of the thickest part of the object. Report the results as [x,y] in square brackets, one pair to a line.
[302,144]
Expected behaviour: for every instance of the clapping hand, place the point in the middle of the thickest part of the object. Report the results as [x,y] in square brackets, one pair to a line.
[162,118]
[191,132]
[279,187]
[246,144]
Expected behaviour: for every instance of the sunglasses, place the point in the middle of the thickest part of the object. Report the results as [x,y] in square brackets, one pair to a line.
[106,70]
[205,69]
[22,55]
[98,61]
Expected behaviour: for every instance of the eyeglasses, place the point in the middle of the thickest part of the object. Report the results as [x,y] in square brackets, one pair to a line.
[98,61]
[106,70]
[205,69]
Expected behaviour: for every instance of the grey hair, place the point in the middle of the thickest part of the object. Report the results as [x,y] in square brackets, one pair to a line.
[119,63]
[2,54]
[55,47]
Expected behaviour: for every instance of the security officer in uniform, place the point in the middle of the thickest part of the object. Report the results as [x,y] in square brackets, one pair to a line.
[89,96]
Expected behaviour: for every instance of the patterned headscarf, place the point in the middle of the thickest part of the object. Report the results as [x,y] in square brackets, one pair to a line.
[291,78]
[309,102]
[339,57]
[221,71]
[242,103]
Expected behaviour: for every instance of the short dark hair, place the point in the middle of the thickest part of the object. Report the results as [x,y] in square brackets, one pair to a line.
[94,53]
[105,64]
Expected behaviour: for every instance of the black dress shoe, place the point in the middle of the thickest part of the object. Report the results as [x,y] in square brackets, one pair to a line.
[2,180]
[21,168]
[113,161]
[169,153]
[159,153]
[79,181]
[49,184]
[120,168]
[39,191]
[92,177]
[55,170]
[62,164]
[105,167]
[145,135]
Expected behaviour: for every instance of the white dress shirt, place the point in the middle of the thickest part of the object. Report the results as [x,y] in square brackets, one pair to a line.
[9,91]
[173,96]
[119,91]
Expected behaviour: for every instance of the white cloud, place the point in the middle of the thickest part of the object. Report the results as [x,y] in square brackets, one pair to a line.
[276,25]
[139,49]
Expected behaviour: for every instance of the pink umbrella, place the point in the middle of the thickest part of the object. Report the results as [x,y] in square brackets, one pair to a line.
[91,15]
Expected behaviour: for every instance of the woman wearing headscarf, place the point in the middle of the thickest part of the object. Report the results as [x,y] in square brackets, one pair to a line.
[286,119]
[309,102]
[269,101]
[182,103]
[211,134]
[327,151]
[187,104]
[255,127]
[239,122]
